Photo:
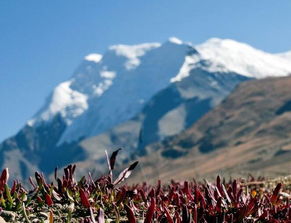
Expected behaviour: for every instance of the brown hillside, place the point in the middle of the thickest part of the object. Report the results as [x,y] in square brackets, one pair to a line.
[249,132]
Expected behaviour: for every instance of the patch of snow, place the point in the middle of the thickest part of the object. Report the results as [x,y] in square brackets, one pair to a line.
[133,53]
[175,40]
[226,55]
[102,87]
[94,57]
[65,101]
[189,64]
[30,122]
[107,77]
[108,74]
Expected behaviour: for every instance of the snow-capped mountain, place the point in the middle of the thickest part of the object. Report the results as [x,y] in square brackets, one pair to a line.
[226,55]
[110,89]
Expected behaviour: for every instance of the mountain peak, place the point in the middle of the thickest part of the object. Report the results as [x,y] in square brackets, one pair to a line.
[175,40]
[219,42]
[133,52]
[226,55]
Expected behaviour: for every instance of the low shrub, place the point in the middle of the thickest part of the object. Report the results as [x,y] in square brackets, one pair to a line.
[106,200]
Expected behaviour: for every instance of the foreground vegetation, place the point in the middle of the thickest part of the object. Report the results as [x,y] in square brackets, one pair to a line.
[105,200]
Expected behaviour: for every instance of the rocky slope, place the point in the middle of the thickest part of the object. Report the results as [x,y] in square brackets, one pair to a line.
[168,113]
[249,132]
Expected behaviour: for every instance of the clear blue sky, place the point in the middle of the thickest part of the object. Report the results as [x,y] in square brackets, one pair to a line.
[43,41]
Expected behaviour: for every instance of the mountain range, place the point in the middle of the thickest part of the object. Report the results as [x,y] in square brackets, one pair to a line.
[139,97]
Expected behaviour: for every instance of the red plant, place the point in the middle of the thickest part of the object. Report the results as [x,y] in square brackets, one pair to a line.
[95,200]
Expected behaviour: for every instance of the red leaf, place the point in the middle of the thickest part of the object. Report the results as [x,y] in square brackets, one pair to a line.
[195,214]
[151,193]
[150,211]
[142,195]
[169,218]
[218,184]
[275,196]
[48,200]
[186,190]
[226,194]
[251,207]
[234,188]
[130,214]
[121,195]
[4,176]
[84,198]
[13,189]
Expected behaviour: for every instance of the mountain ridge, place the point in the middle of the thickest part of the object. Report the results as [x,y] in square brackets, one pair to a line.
[248,133]
[102,105]
[132,55]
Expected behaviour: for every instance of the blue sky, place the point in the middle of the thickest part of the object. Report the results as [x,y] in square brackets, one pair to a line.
[43,41]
